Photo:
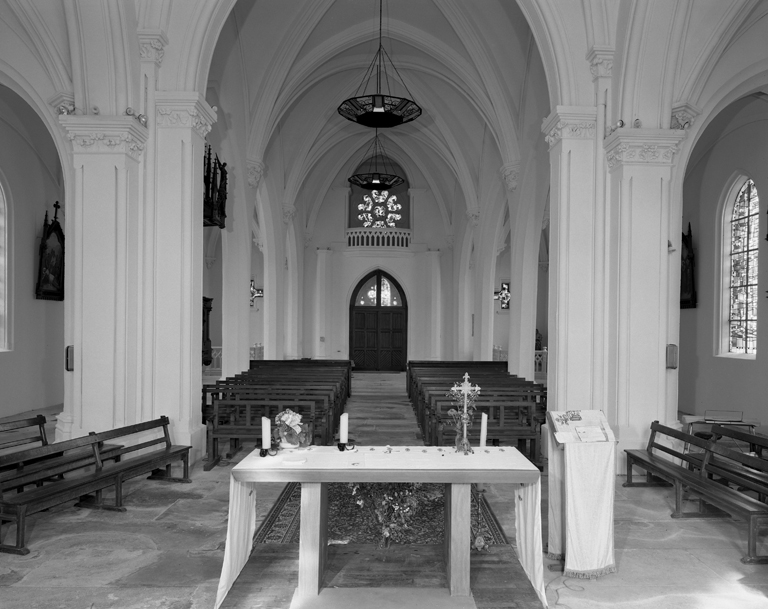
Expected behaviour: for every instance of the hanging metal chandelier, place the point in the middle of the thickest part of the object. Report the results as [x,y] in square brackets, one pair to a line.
[380,174]
[379,110]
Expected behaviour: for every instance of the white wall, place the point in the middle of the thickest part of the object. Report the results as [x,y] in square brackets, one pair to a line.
[501,316]
[212,287]
[735,143]
[257,310]
[347,267]
[32,371]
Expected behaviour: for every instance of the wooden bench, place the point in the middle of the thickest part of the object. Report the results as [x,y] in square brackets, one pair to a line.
[751,442]
[148,455]
[238,420]
[709,478]
[510,423]
[18,433]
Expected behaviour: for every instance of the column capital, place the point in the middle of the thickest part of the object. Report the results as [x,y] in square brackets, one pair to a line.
[473,215]
[600,60]
[184,109]
[255,172]
[570,122]
[683,115]
[289,212]
[510,173]
[642,147]
[152,45]
[104,134]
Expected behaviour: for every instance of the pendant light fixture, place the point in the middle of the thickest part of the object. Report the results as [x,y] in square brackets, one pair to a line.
[379,109]
[380,174]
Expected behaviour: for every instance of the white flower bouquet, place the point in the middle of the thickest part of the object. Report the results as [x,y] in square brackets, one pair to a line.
[291,431]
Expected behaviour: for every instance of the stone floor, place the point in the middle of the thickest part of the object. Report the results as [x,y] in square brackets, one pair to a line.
[166,551]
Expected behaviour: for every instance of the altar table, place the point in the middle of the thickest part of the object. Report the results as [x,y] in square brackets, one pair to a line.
[316,466]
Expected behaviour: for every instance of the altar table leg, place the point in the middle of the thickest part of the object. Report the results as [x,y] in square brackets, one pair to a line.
[313,543]
[457,537]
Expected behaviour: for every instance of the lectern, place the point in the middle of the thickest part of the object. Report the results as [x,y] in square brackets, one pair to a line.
[581,454]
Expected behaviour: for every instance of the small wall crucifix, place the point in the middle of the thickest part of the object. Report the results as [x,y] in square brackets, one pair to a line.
[503,295]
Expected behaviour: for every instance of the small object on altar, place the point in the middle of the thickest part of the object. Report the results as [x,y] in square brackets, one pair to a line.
[291,432]
[344,428]
[480,545]
[483,429]
[463,396]
[266,433]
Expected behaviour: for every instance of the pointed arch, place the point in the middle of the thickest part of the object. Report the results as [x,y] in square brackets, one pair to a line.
[378,323]
[6,274]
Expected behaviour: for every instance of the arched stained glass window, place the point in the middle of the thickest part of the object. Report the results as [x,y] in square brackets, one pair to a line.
[742,291]
[368,294]
[4,273]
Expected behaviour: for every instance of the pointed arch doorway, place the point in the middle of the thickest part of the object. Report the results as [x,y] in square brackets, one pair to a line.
[378,323]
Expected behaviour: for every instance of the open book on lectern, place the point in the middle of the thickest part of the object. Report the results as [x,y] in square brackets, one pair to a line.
[580,426]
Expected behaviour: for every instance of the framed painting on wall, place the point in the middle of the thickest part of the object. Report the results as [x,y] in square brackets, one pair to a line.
[50,271]
[687,280]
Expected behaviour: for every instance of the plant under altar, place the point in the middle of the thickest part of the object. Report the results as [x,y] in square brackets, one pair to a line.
[394,504]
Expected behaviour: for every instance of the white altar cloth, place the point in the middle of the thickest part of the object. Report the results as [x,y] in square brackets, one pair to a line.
[382,464]
[581,487]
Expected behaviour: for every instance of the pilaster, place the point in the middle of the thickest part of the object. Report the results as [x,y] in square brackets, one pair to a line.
[434,278]
[641,162]
[103,237]
[322,281]
[570,132]
[183,120]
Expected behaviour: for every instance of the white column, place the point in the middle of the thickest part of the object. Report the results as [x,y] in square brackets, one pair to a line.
[640,162]
[322,281]
[235,278]
[152,49]
[103,236]
[571,137]
[434,278]
[183,121]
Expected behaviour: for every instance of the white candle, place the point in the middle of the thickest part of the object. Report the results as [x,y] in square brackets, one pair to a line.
[266,433]
[344,428]
[483,430]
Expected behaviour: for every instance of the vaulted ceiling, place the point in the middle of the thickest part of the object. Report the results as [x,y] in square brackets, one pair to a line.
[281,69]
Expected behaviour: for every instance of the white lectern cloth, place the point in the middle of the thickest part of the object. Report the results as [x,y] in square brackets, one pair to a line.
[581,489]
[241,528]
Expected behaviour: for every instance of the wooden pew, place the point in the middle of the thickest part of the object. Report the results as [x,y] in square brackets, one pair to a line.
[417,366]
[318,389]
[714,478]
[17,433]
[516,407]
[155,454]
[238,420]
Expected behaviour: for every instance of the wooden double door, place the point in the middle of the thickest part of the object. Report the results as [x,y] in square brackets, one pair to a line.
[378,324]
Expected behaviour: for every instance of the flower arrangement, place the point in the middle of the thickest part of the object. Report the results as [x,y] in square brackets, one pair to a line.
[394,504]
[290,430]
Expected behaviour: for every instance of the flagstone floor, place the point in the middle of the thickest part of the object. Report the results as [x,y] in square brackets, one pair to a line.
[166,551]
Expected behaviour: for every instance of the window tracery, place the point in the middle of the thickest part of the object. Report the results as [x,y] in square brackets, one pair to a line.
[743,257]
[379,210]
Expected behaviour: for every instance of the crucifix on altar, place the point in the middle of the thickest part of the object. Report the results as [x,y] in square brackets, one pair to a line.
[465,394]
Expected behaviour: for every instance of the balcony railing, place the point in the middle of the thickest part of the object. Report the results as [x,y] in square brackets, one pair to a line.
[540,363]
[214,370]
[394,238]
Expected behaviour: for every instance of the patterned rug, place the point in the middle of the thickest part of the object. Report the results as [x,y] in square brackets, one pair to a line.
[349,523]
